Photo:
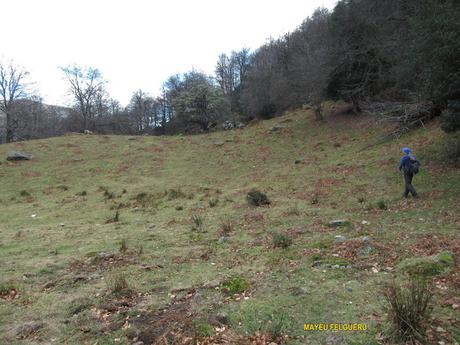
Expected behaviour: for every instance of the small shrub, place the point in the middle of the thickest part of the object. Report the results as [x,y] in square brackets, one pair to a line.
[236,285]
[226,227]
[175,194]
[82,193]
[24,194]
[361,199]
[197,222]
[63,188]
[213,202]
[123,245]
[315,200]
[144,199]
[117,284]
[280,240]
[257,198]
[381,204]
[408,308]
[124,191]
[179,208]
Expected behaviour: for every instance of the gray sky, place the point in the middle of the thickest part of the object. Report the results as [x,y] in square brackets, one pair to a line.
[137,43]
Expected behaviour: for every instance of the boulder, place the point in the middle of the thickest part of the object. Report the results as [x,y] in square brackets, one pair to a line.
[223,239]
[340,238]
[339,222]
[18,156]
[277,128]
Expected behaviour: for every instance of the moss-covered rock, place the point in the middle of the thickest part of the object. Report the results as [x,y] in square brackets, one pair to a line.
[427,266]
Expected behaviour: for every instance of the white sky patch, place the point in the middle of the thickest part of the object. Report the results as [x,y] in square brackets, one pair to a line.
[137,44]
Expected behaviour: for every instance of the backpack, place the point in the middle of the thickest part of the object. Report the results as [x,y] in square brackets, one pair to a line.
[414,165]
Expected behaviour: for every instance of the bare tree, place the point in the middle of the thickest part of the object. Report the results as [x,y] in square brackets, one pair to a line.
[12,88]
[86,84]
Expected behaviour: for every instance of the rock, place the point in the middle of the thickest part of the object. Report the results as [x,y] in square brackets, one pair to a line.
[340,238]
[218,143]
[277,128]
[336,339]
[138,343]
[24,330]
[300,290]
[61,225]
[152,226]
[228,125]
[365,250]
[339,222]
[223,239]
[18,156]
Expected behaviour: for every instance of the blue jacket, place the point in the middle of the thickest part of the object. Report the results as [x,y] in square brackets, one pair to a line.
[405,161]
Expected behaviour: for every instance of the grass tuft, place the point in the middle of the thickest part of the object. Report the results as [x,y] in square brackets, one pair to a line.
[409,310]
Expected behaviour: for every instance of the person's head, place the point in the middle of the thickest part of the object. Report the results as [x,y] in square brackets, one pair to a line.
[406,150]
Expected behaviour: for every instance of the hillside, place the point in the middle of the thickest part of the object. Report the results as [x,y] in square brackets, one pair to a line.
[91,213]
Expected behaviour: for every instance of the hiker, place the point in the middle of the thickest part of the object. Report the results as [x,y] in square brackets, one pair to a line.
[410,166]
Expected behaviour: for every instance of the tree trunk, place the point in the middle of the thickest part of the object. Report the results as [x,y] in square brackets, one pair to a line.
[9,132]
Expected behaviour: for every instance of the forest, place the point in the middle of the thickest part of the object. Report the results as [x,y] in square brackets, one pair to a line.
[377,55]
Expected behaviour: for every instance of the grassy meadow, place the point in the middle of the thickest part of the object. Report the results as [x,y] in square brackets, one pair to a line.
[151,240]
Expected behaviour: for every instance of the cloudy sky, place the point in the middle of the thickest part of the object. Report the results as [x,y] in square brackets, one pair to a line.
[137,43]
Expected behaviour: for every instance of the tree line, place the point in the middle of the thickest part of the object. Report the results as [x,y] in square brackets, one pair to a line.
[361,51]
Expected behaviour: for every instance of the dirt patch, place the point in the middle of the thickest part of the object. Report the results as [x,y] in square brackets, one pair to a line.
[385,255]
[429,244]
[253,217]
[103,262]
[172,324]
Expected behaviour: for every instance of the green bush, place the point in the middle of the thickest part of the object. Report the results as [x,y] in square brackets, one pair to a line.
[236,285]
[257,198]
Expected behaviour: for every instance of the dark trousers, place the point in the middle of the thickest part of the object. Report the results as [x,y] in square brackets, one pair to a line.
[408,184]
